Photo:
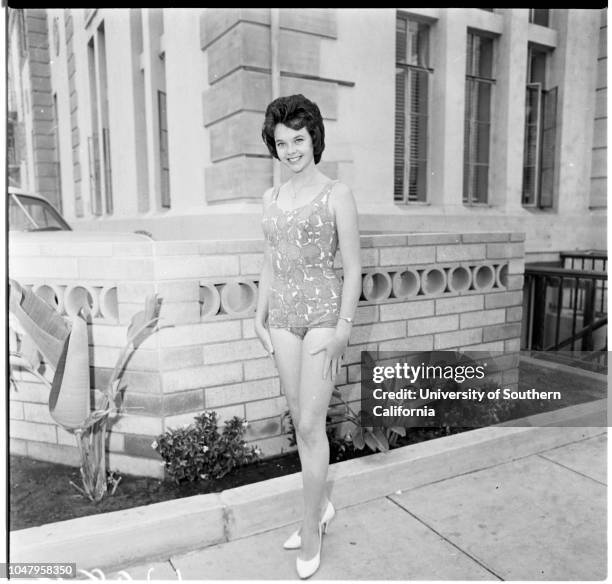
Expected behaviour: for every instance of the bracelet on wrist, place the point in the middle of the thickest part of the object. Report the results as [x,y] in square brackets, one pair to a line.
[348,319]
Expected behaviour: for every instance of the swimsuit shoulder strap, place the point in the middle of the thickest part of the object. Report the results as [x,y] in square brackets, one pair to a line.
[328,189]
[327,192]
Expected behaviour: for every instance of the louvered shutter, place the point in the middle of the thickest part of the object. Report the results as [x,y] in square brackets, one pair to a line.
[531,151]
[549,132]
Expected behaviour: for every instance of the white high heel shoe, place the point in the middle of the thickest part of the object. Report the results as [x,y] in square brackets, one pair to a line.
[294,541]
[306,568]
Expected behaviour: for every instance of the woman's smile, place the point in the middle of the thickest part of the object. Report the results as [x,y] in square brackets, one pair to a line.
[294,147]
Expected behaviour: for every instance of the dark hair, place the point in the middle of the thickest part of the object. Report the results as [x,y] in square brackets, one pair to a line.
[295,112]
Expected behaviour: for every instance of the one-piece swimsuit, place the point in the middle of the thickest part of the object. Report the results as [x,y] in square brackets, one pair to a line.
[305,291]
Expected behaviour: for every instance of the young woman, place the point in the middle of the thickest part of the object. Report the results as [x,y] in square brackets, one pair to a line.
[305,311]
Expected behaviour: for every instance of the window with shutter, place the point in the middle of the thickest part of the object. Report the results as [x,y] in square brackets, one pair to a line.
[540,135]
[549,135]
[477,122]
[100,176]
[411,110]
[531,153]
[58,168]
[163,150]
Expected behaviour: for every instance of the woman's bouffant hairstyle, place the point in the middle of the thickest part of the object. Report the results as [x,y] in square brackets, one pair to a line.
[295,112]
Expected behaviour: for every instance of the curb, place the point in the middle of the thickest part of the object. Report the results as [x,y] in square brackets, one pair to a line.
[161,530]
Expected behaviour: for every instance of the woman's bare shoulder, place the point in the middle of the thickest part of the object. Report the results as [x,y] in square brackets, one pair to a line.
[267,196]
[341,195]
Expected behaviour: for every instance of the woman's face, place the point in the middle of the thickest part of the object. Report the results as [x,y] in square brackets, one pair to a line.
[294,147]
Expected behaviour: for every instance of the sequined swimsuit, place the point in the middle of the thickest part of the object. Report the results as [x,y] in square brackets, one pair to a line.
[305,290]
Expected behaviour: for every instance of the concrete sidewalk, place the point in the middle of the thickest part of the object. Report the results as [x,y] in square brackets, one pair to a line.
[541,516]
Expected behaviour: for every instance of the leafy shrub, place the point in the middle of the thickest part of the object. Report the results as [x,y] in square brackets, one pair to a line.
[200,451]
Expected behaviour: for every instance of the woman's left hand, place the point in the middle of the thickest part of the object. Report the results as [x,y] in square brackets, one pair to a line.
[334,351]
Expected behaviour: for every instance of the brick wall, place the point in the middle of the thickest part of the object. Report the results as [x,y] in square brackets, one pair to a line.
[420,291]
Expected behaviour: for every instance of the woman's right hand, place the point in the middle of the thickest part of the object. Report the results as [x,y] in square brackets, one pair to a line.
[264,336]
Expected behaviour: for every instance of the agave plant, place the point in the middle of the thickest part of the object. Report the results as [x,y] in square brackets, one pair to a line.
[40,330]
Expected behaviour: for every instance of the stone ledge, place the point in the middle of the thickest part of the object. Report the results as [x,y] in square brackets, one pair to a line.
[118,539]
[123,244]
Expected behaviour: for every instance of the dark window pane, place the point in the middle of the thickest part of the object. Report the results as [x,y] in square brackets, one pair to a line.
[419,81]
[537,67]
[163,149]
[485,60]
[532,105]
[418,134]
[400,125]
[400,40]
[546,187]
[529,194]
[108,176]
[477,129]
[482,111]
[469,55]
[163,144]
[412,43]
[531,152]
[481,147]
[539,16]
[479,62]
[418,181]
[549,122]
[165,185]
[531,143]
[481,184]
[162,110]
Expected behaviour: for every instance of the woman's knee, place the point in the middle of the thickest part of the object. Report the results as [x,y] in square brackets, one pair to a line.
[294,409]
[309,430]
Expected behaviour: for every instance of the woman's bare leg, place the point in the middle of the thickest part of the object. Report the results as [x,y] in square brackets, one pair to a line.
[313,446]
[288,358]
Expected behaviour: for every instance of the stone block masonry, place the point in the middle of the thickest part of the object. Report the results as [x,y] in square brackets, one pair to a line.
[420,292]
[45,155]
[237,46]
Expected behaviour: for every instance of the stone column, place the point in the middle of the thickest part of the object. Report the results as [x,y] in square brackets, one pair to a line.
[507,138]
[574,69]
[447,108]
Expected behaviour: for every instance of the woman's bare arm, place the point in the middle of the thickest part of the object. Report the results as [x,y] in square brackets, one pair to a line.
[347,224]
[265,280]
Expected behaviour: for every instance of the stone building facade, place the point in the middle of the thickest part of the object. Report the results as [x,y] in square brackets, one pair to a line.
[436,118]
